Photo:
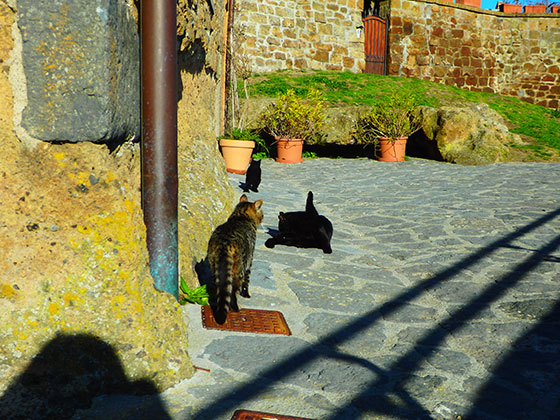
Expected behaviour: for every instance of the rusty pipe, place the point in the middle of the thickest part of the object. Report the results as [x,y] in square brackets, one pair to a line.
[158,23]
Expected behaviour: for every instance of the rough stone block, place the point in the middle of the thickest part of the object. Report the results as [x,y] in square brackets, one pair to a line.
[348,62]
[325,29]
[81,63]
[321,56]
[273,41]
[324,47]
[288,33]
[287,43]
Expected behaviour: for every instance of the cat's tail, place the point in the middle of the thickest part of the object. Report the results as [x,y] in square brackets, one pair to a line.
[309,207]
[225,293]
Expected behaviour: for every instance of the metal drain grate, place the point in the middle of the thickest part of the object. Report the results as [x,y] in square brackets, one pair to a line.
[257,415]
[247,320]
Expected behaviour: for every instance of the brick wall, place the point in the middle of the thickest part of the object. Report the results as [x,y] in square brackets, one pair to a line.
[511,54]
[301,34]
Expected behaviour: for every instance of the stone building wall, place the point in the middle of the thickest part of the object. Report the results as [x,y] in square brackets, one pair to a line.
[301,34]
[477,49]
[77,302]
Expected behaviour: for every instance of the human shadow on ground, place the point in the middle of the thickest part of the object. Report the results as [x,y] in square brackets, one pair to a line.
[66,375]
[378,397]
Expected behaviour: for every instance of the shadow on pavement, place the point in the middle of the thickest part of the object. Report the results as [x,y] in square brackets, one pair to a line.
[526,383]
[383,396]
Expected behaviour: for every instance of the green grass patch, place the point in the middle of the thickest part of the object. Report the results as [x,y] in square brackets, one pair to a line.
[360,89]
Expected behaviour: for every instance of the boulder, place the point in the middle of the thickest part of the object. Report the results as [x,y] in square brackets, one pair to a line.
[474,135]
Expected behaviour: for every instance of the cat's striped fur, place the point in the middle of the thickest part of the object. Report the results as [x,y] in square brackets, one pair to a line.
[230,256]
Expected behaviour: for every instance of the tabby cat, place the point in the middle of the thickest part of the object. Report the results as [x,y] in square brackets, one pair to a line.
[304,229]
[230,256]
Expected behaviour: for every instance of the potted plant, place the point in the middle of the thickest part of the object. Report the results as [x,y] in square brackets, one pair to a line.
[237,148]
[293,119]
[388,125]
[238,142]
[513,7]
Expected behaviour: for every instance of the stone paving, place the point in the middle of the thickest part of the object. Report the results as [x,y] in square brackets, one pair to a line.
[439,301]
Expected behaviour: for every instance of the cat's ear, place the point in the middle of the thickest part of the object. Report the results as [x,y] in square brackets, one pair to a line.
[258,204]
[243,198]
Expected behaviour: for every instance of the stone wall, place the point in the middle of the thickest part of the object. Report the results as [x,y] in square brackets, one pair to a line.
[468,47]
[81,66]
[301,34]
[477,49]
[78,305]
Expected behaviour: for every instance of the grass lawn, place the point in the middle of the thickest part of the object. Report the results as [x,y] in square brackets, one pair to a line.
[538,126]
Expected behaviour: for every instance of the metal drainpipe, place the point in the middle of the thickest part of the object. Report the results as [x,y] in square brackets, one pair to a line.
[159,139]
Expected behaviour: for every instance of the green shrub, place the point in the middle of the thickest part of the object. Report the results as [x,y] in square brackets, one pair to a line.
[294,117]
[397,117]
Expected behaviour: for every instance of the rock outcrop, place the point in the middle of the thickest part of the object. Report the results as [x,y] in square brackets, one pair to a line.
[475,135]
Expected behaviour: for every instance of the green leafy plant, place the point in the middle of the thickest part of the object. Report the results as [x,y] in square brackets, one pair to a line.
[247,135]
[241,134]
[309,155]
[295,117]
[261,155]
[394,118]
[555,113]
[198,295]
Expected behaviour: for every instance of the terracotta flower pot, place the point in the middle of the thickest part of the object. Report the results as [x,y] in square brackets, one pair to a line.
[237,154]
[392,151]
[512,8]
[555,9]
[289,150]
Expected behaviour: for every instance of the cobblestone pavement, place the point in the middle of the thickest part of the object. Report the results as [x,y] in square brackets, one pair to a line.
[439,301]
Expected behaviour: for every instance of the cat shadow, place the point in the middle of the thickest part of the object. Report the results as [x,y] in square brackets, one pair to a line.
[243,186]
[203,272]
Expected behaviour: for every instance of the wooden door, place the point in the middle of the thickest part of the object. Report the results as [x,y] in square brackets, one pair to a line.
[375,31]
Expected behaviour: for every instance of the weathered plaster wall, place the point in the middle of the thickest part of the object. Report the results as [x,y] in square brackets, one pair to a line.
[477,49]
[74,274]
[301,34]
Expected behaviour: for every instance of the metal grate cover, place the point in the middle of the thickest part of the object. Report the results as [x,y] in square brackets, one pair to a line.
[247,320]
[257,415]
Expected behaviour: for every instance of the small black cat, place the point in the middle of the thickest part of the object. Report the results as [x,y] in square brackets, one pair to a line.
[304,229]
[253,177]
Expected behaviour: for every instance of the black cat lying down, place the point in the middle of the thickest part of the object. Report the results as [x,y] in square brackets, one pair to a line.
[304,229]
